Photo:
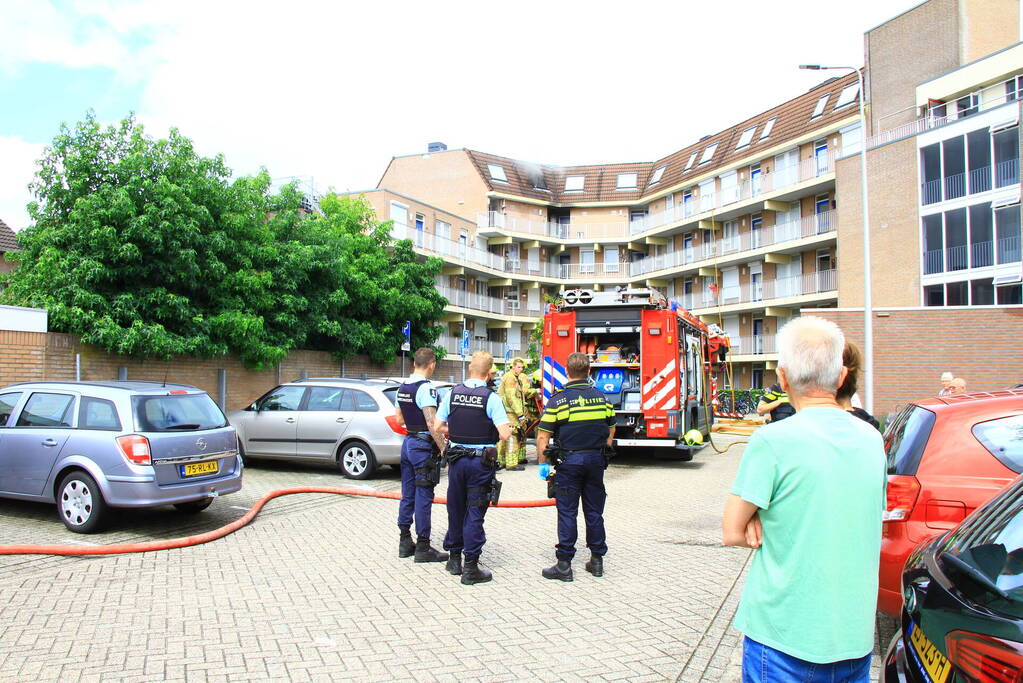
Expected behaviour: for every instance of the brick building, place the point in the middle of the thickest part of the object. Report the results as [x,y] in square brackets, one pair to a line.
[754,224]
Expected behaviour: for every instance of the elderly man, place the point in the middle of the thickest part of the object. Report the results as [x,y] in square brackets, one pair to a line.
[808,496]
[958,387]
[946,384]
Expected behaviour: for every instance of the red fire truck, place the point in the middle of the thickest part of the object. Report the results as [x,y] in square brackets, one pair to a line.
[651,358]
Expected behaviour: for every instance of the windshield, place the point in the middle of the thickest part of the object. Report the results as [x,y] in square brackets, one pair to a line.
[177,412]
[991,541]
[905,439]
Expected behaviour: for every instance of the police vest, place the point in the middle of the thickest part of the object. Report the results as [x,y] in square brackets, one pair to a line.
[415,421]
[467,420]
[582,413]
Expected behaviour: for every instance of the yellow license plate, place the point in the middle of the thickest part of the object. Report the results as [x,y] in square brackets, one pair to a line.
[198,468]
[933,662]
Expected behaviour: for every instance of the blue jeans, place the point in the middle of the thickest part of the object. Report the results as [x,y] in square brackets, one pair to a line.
[763,664]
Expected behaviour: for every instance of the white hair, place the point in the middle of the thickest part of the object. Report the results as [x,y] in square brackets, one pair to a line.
[947,375]
[810,352]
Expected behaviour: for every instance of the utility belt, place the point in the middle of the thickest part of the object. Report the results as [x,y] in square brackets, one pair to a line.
[428,476]
[487,454]
[556,455]
[488,494]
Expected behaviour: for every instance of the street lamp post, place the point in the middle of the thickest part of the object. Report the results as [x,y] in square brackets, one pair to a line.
[868,321]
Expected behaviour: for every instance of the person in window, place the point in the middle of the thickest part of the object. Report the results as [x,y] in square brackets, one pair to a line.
[776,402]
[808,490]
[852,360]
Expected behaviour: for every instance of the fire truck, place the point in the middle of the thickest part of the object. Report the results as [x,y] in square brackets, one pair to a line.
[650,358]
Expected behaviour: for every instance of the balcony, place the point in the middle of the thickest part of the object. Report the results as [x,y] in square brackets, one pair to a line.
[977,180]
[488,304]
[453,346]
[807,226]
[754,345]
[976,255]
[797,285]
[764,183]
[449,249]
[493,222]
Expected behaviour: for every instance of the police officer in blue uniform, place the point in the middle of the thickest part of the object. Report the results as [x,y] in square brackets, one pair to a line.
[420,458]
[474,419]
[582,421]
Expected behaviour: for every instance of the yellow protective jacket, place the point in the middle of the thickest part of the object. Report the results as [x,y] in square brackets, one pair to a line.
[514,390]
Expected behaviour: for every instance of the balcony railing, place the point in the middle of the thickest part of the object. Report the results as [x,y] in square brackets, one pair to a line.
[807,226]
[981,255]
[956,185]
[754,345]
[453,346]
[451,249]
[571,230]
[781,288]
[1009,249]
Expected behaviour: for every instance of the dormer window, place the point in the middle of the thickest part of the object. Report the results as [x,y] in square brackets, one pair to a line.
[821,103]
[766,132]
[746,137]
[692,160]
[708,154]
[656,177]
[847,96]
[574,183]
[626,181]
[497,172]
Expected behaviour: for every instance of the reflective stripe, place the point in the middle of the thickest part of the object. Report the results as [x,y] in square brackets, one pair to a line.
[659,396]
[648,387]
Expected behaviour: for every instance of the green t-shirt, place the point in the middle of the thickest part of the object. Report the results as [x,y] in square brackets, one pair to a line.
[819,480]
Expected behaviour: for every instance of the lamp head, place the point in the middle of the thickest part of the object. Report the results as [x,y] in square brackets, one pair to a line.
[811,67]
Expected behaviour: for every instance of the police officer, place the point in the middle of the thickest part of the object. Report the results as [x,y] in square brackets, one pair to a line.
[582,421]
[776,402]
[474,419]
[420,452]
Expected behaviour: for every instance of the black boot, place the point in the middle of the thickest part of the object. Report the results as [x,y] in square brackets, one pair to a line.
[406,546]
[561,571]
[596,564]
[424,553]
[454,565]
[471,572]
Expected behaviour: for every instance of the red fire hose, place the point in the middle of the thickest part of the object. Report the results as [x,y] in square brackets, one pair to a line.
[199,539]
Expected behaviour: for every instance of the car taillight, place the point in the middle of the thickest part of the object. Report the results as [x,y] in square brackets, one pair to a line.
[392,422]
[985,658]
[135,449]
[903,491]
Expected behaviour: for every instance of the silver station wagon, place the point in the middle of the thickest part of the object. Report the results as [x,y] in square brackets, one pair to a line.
[348,422]
[92,446]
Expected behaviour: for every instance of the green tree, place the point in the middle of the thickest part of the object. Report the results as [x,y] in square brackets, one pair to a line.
[145,248]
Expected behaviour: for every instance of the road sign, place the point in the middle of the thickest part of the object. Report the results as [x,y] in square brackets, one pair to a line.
[407,331]
[406,346]
[507,354]
[465,342]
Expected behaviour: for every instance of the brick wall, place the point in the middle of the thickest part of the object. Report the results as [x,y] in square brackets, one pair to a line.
[913,346]
[35,356]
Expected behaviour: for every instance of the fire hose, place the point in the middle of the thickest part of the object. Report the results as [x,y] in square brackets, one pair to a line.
[199,539]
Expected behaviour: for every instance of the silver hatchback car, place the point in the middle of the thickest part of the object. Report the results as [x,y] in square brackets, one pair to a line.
[349,422]
[91,446]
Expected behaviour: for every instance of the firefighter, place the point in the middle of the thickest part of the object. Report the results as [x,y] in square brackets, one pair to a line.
[474,419]
[515,391]
[582,421]
[420,463]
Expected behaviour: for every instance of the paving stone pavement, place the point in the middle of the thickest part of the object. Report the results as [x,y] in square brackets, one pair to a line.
[313,590]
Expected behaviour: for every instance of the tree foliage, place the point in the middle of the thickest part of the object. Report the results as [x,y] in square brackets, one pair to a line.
[146,248]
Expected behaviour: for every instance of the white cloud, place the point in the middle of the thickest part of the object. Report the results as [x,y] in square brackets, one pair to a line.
[16,172]
[333,90]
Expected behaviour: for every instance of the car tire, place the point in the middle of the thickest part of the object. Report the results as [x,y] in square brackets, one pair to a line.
[194,506]
[80,503]
[356,460]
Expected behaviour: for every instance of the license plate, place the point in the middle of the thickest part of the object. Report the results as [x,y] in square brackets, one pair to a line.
[934,664]
[195,469]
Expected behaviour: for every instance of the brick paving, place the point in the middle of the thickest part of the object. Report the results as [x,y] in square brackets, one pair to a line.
[313,590]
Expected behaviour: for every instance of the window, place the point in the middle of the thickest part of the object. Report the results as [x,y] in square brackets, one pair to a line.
[610,259]
[852,136]
[1014,89]
[359,401]
[497,172]
[626,181]
[708,154]
[956,257]
[905,439]
[1007,227]
[766,132]
[324,399]
[982,252]
[656,177]
[978,160]
[180,412]
[586,261]
[934,261]
[282,398]
[967,105]
[1009,295]
[7,403]
[442,229]
[982,292]
[746,137]
[574,183]
[954,156]
[1006,145]
[689,164]
[934,295]
[46,410]
[957,294]
[821,103]
[847,96]
[537,179]
[930,171]
[97,413]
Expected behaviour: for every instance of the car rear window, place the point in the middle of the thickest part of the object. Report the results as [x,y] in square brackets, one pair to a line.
[354,399]
[97,413]
[991,541]
[905,439]
[1004,439]
[177,412]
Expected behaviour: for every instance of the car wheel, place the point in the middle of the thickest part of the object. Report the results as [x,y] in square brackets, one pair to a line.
[357,461]
[194,506]
[80,503]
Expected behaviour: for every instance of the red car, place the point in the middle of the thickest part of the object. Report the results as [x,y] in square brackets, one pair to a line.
[946,457]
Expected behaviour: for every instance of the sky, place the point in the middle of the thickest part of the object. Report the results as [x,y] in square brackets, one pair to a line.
[330,91]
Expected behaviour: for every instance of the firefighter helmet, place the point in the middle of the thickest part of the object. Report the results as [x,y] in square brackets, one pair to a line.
[693,437]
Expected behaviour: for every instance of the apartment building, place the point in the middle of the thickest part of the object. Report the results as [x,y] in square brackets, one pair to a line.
[739,227]
[756,223]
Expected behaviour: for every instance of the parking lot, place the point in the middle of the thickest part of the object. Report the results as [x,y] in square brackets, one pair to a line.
[313,589]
